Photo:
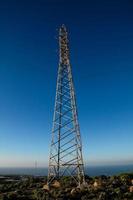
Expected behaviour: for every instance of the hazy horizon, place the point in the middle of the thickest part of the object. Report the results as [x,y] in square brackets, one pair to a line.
[91,163]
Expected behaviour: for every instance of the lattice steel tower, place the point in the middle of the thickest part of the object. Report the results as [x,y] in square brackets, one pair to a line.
[66,148]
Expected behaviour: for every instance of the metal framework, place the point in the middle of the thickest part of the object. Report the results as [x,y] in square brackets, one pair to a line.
[66,148]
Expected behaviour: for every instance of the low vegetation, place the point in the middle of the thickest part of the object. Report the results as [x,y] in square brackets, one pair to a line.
[97,188]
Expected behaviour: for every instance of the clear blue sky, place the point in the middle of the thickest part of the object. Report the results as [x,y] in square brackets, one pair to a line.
[101,46]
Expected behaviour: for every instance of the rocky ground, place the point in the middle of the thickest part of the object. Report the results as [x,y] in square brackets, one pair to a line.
[98,188]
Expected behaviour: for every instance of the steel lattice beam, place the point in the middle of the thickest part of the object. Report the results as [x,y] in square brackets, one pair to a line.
[66,147]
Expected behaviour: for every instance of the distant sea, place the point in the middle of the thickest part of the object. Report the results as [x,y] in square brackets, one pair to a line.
[91,171]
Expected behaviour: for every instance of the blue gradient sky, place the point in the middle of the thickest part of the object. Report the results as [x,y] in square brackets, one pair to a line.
[101,44]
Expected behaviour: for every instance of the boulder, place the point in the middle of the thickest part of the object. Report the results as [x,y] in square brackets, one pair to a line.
[131,189]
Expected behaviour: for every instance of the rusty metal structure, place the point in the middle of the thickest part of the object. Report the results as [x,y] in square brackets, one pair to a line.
[66,147]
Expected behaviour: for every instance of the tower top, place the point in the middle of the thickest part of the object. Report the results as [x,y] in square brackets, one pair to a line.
[63,26]
[63,44]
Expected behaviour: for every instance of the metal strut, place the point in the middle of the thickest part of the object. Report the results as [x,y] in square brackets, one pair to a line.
[66,146]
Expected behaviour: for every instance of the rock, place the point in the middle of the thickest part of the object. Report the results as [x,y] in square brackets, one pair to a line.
[56,184]
[95,184]
[46,187]
[131,189]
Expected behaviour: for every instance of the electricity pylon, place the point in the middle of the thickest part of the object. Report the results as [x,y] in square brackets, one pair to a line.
[66,147]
